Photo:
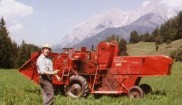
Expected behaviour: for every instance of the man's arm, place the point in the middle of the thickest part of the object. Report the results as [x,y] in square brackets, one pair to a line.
[51,72]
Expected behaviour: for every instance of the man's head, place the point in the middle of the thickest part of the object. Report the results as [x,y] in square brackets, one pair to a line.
[46,49]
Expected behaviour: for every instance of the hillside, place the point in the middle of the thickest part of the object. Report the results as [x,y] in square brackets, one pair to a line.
[148,48]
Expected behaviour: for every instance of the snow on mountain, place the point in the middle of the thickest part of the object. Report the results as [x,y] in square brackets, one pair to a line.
[142,25]
[94,25]
[116,18]
[160,9]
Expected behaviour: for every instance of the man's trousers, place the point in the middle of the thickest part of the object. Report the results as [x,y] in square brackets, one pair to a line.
[47,90]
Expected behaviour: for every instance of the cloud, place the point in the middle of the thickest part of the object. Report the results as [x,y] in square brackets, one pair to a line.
[145,3]
[176,4]
[12,9]
[16,28]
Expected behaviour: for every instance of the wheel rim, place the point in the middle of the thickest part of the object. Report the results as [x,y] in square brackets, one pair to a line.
[75,89]
[135,92]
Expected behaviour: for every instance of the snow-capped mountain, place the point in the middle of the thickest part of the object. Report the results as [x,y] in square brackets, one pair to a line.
[96,24]
[143,25]
[150,15]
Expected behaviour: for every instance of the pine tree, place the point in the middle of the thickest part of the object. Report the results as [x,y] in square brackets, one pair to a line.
[147,38]
[155,33]
[172,29]
[122,47]
[22,55]
[164,32]
[134,37]
[6,56]
[179,30]
[15,53]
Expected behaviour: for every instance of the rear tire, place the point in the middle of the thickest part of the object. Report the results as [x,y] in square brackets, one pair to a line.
[146,88]
[77,87]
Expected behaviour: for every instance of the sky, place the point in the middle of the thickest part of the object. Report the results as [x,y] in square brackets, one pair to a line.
[48,21]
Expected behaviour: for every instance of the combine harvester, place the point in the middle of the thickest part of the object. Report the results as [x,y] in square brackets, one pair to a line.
[101,71]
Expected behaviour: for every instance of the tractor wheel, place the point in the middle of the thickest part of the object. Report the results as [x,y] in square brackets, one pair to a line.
[135,92]
[146,88]
[77,87]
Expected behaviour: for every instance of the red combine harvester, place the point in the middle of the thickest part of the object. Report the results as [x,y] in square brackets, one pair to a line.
[101,71]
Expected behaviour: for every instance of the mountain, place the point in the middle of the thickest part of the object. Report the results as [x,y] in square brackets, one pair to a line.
[96,24]
[144,24]
[118,22]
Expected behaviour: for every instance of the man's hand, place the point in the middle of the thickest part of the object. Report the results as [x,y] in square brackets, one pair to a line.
[58,78]
[55,72]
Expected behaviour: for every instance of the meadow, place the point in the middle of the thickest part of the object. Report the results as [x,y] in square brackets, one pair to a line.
[149,48]
[15,89]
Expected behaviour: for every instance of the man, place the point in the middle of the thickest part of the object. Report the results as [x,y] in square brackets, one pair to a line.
[45,71]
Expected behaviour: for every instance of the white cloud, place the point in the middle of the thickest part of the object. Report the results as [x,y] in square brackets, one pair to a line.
[13,12]
[145,3]
[16,28]
[177,4]
[12,9]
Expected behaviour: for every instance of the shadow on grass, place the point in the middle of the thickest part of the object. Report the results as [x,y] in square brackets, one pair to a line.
[155,92]
[59,90]
[159,92]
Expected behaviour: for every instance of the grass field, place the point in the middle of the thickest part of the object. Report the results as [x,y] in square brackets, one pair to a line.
[15,89]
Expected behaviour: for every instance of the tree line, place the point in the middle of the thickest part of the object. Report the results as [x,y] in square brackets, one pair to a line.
[13,55]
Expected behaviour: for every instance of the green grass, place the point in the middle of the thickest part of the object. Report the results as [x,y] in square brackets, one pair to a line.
[148,48]
[15,89]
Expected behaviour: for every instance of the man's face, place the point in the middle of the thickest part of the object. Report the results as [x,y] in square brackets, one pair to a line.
[46,51]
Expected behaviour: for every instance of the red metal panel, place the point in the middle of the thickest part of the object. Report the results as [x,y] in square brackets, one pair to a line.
[156,65]
[29,69]
[143,65]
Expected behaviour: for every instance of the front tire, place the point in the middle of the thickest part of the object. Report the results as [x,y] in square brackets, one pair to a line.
[77,87]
